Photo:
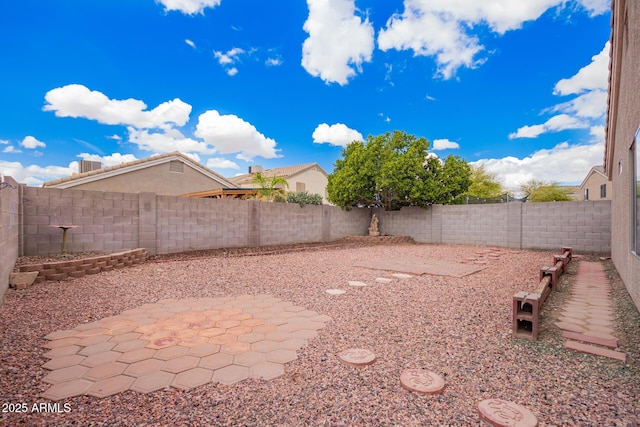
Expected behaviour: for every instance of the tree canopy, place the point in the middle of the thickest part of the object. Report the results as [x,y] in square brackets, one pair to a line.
[541,191]
[394,170]
[484,186]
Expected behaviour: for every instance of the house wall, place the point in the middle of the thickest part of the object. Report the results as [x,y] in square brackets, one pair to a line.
[157,179]
[9,231]
[314,180]
[621,133]
[593,184]
[585,226]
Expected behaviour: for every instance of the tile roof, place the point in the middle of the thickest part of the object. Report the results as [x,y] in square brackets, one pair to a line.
[123,166]
[283,172]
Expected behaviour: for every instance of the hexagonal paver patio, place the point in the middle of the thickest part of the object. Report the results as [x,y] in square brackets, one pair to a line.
[178,343]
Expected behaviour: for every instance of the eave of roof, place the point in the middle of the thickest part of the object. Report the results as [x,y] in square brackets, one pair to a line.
[284,172]
[95,175]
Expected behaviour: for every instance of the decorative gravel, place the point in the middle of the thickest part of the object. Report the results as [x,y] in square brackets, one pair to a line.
[458,328]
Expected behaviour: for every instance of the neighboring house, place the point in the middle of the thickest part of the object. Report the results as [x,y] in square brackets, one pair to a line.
[622,144]
[309,177]
[596,185]
[573,191]
[170,174]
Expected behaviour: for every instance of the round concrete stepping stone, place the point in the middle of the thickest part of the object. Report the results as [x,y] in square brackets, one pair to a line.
[502,413]
[383,280]
[401,276]
[335,291]
[421,381]
[357,357]
[356,283]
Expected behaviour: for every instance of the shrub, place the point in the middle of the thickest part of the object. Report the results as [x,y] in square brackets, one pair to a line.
[303,198]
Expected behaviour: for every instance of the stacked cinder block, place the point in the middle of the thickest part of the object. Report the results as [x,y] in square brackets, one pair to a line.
[527,306]
[61,270]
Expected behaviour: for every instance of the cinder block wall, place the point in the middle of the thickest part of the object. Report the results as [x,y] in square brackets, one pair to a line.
[410,221]
[586,226]
[106,221]
[343,223]
[9,231]
[283,223]
[110,222]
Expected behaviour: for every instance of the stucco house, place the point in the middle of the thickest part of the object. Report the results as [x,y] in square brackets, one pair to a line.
[595,185]
[170,174]
[622,144]
[309,177]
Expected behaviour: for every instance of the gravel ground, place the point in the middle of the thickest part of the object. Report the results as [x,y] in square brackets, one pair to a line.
[459,328]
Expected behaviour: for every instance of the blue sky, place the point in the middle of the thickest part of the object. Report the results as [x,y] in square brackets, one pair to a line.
[516,86]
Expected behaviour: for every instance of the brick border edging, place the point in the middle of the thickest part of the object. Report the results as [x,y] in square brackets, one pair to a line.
[61,270]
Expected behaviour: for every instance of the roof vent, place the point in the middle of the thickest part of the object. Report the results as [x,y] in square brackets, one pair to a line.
[256,169]
[88,166]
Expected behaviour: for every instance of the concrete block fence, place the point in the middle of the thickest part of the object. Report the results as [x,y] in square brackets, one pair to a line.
[585,226]
[111,222]
[9,230]
[115,222]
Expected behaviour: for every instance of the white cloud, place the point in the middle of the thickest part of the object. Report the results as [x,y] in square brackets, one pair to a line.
[165,141]
[221,163]
[586,109]
[110,160]
[554,124]
[11,149]
[190,43]
[564,163]
[229,57]
[34,175]
[4,142]
[189,7]
[591,105]
[78,101]
[443,29]
[230,134]
[590,77]
[31,142]
[156,130]
[337,134]
[596,7]
[273,62]
[339,41]
[444,144]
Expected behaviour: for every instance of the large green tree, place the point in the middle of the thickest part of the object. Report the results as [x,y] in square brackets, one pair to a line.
[394,170]
[542,191]
[484,186]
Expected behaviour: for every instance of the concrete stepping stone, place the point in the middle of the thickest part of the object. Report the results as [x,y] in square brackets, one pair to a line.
[421,381]
[383,280]
[566,326]
[598,351]
[401,276]
[335,291]
[502,413]
[357,283]
[357,357]
[607,342]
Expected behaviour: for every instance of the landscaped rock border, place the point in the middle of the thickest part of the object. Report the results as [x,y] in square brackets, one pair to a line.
[61,270]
